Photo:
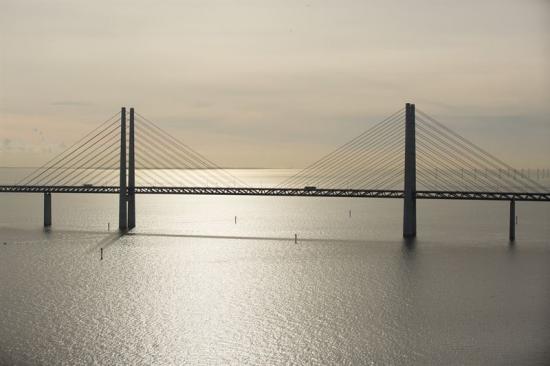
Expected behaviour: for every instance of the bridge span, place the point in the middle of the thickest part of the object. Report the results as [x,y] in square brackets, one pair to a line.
[288,192]
[388,160]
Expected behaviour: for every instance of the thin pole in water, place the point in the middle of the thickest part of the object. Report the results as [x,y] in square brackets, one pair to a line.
[101,252]
[295,238]
[235,220]
[349,213]
[108,226]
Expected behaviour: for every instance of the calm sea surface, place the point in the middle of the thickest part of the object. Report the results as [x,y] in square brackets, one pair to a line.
[189,286]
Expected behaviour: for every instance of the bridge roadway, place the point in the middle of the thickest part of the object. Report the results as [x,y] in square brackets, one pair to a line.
[288,192]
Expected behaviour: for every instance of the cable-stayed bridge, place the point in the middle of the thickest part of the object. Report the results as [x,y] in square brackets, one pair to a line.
[407,156]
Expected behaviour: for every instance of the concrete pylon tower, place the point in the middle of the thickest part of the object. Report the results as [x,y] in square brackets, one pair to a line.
[409,188]
[122,213]
[131,175]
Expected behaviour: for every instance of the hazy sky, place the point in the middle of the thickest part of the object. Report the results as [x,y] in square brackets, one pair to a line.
[274,83]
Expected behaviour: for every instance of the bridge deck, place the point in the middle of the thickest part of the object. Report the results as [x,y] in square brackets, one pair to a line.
[289,192]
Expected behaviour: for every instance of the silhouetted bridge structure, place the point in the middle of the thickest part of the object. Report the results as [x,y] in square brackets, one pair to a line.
[288,192]
[402,150]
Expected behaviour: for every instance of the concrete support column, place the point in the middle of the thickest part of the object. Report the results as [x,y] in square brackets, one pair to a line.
[409,188]
[122,217]
[131,176]
[512,220]
[47,209]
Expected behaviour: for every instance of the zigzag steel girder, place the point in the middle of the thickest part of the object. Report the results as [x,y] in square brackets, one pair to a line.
[288,192]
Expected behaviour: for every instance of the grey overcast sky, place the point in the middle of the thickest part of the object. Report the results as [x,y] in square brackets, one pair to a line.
[274,83]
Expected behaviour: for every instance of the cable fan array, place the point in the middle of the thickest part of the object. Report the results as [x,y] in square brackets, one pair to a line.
[372,160]
[446,161]
[93,159]
[161,160]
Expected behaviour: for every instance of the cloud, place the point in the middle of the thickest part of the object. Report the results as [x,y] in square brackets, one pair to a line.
[71,103]
[11,145]
[8,145]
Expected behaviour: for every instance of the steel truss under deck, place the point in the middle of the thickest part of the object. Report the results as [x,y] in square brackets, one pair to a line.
[287,192]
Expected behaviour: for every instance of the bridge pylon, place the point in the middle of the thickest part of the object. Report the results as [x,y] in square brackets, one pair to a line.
[409,188]
[122,207]
[512,233]
[47,209]
[131,175]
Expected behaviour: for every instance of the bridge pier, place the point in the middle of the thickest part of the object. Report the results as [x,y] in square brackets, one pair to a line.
[122,217]
[131,176]
[409,189]
[512,220]
[47,209]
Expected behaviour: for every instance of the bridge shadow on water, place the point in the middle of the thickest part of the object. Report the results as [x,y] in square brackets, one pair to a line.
[109,240]
[240,237]
[94,239]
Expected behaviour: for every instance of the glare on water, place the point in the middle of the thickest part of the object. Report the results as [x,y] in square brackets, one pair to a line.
[191,286]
